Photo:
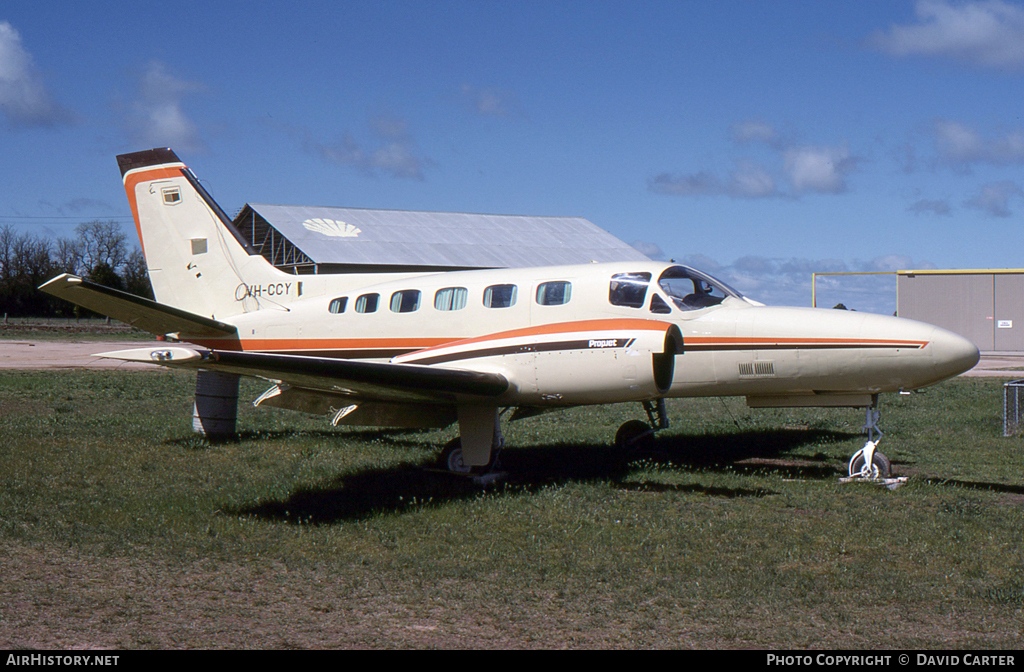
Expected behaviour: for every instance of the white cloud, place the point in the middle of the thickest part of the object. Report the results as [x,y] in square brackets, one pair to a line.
[156,117]
[935,207]
[491,102]
[695,184]
[888,263]
[24,100]
[395,153]
[987,34]
[787,282]
[650,250]
[994,198]
[701,262]
[751,181]
[753,131]
[807,168]
[960,146]
[820,169]
[748,181]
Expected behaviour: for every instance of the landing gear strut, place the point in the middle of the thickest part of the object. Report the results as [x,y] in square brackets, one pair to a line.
[637,434]
[867,462]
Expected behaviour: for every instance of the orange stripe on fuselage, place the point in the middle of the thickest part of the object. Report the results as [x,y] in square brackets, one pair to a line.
[298,344]
[408,345]
[417,344]
[561,328]
[755,342]
[132,179]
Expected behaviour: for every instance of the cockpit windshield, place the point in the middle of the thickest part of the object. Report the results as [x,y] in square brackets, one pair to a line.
[690,289]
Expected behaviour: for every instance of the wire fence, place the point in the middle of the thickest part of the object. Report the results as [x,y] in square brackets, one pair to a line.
[1013,413]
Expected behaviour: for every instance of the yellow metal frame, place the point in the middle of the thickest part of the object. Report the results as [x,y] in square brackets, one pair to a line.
[814,280]
[971,271]
[930,271]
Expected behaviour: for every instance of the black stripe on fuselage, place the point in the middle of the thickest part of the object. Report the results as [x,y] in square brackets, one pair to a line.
[620,343]
[524,348]
[717,347]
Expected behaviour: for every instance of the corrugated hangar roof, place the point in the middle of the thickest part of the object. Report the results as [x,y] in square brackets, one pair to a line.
[339,238]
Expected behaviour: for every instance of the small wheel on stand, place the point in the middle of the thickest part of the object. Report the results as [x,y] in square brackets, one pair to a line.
[880,466]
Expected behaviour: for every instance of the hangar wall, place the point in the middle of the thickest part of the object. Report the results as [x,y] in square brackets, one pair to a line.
[985,306]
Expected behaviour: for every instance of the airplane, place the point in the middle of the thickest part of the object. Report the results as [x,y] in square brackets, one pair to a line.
[431,349]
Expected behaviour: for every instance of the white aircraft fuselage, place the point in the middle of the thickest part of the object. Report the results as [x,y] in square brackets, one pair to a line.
[422,349]
[590,351]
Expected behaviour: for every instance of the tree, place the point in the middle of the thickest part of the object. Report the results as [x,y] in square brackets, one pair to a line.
[99,252]
[67,256]
[26,265]
[102,243]
[136,275]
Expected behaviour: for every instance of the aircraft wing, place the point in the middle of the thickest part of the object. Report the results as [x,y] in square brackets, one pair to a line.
[144,314]
[378,381]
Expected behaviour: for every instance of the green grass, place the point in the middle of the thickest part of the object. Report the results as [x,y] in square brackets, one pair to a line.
[121,528]
[68,328]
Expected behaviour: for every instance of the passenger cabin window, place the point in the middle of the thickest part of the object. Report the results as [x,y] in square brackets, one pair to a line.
[690,289]
[500,296]
[629,289]
[367,303]
[405,301]
[554,293]
[451,298]
[338,305]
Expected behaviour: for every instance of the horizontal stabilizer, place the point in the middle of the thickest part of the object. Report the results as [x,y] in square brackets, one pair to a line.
[156,318]
[165,356]
[355,379]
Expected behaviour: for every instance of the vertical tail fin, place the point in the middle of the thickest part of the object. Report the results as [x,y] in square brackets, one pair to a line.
[197,260]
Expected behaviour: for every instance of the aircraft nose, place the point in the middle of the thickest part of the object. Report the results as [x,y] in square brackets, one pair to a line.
[952,354]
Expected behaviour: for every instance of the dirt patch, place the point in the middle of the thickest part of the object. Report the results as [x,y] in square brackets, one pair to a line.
[62,354]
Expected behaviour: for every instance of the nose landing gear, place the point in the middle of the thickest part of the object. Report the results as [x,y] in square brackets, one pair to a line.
[867,463]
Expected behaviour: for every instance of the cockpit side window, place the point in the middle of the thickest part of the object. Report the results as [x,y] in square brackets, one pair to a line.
[690,289]
[628,289]
[659,306]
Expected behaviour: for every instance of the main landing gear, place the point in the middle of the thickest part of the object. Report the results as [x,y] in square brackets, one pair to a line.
[474,453]
[868,463]
[639,435]
[453,459]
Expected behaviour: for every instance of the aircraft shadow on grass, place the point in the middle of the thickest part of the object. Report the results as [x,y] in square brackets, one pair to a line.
[391,437]
[410,487]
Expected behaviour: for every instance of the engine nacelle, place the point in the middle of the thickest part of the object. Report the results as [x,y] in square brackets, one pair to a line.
[588,362]
[632,364]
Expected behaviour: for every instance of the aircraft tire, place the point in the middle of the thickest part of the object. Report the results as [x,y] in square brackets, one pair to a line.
[634,435]
[451,459]
[881,467]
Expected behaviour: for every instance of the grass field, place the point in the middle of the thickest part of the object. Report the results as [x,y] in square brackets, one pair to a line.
[68,328]
[119,528]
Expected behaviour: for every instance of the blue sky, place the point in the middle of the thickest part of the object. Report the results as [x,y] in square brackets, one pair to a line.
[759,141]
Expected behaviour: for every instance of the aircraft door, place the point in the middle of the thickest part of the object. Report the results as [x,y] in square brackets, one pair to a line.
[552,302]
